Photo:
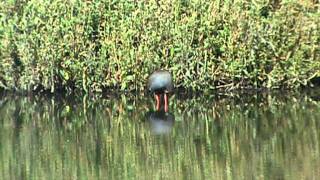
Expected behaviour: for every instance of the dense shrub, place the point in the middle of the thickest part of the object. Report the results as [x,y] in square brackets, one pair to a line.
[100,44]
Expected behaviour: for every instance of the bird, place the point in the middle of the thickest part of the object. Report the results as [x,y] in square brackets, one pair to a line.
[160,83]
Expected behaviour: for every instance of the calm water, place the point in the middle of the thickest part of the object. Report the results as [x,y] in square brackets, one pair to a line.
[259,136]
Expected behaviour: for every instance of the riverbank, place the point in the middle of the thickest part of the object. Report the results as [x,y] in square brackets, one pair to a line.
[96,46]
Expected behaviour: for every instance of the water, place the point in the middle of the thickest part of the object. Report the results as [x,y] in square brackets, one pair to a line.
[259,136]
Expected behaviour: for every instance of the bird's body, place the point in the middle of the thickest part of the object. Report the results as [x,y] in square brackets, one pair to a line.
[160,82]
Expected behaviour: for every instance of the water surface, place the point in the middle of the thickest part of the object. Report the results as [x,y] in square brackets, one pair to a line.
[256,136]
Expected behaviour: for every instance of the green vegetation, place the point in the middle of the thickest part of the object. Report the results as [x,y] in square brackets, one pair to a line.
[102,44]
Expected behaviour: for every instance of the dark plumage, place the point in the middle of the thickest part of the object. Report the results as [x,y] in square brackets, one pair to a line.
[160,83]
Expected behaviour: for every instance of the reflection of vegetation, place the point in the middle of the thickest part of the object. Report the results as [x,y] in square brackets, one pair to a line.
[95,45]
[263,136]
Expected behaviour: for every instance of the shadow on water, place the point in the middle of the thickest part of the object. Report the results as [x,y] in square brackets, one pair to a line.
[234,136]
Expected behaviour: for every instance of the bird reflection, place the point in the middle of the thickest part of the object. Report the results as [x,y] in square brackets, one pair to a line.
[161,122]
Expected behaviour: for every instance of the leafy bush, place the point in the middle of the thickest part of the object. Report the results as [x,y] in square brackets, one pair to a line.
[101,44]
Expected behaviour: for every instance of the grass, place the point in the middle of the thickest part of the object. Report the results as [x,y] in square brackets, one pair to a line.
[102,44]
